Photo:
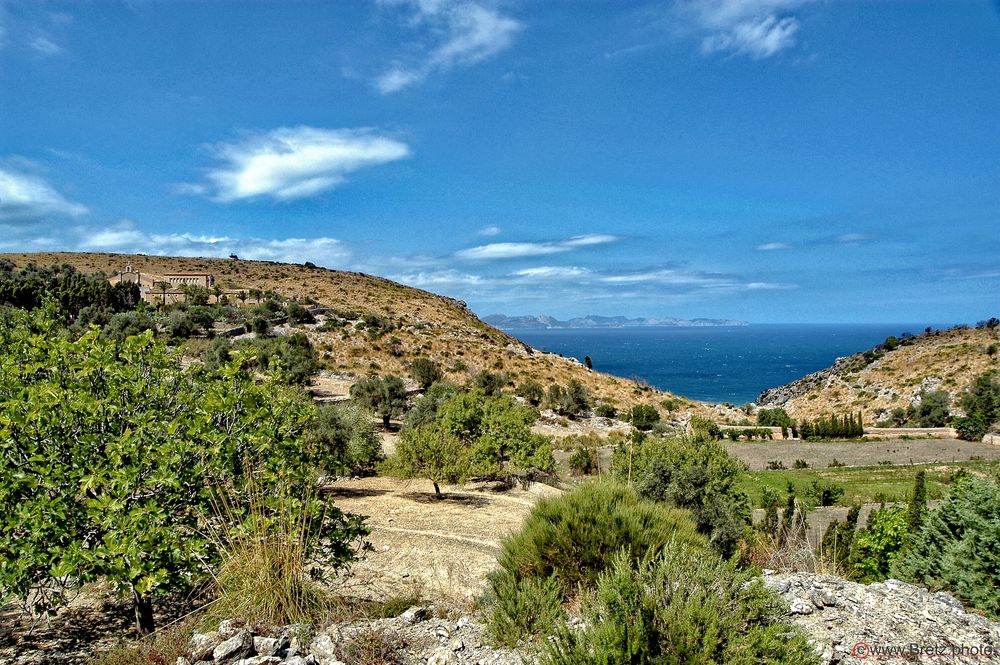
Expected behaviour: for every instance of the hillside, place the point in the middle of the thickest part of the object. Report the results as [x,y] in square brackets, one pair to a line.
[416,324]
[880,380]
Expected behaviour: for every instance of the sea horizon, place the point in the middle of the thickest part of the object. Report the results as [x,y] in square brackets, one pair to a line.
[722,364]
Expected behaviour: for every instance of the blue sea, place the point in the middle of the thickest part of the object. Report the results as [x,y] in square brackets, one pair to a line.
[718,363]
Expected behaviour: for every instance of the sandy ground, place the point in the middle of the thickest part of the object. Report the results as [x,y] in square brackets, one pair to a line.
[434,548]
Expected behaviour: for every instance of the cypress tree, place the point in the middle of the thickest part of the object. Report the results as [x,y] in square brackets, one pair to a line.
[917,510]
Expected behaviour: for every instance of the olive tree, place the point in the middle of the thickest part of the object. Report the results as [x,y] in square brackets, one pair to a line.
[386,396]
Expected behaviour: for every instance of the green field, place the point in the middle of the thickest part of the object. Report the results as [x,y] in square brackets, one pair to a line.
[862,484]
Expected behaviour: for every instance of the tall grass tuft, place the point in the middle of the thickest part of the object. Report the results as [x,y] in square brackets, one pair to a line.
[268,572]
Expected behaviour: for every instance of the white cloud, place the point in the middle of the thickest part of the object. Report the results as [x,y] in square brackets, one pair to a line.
[553,272]
[852,238]
[514,250]
[28,198]
[297,162]
[509,250]
[45,46]
[755,28]
[490,230]
[123,236]
[469,33]
[771,246]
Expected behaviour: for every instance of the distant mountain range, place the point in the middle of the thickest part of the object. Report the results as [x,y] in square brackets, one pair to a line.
[542,321]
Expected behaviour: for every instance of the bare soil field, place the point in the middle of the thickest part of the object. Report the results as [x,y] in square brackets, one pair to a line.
[866,453]
[439,549]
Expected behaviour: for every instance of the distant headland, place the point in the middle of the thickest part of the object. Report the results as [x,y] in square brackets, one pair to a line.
[542,321]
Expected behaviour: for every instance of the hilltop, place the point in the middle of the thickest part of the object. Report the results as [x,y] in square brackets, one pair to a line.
[892,375]
[411,323]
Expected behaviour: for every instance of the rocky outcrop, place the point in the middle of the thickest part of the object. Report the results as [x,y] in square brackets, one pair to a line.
[783,394]
[887,622]
[418,636]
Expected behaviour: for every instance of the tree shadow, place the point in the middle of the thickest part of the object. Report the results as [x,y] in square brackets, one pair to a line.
[77,633]
[430,498]
[352,492]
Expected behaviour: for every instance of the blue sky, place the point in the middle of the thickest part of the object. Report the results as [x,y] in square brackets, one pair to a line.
[769,160]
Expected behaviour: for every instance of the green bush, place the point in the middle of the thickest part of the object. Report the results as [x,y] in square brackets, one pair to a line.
[605,410]
[583,461]
[532,392]
[572,538]
[777,417]
[521,607]
[958,547]
[877,545]
[682,607]
[643,416]
[114,457]
[347,440]
[702,477]
[981,402]
[425,372]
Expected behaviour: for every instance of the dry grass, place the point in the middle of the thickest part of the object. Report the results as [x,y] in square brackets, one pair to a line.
[950,359]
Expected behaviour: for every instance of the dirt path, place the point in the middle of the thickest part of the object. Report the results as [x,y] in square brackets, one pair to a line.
[439,549]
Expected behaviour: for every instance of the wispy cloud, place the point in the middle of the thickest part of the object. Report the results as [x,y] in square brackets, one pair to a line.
[125,236]
[31,28]
[28,198]
[45,46]
[514,250]
[293,162]
[553,272]
[489,231]
[467,32]
[755,28]
[772,246]
[852,238]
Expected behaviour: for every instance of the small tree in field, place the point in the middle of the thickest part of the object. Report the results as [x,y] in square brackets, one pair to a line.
[432,453]
[385,396]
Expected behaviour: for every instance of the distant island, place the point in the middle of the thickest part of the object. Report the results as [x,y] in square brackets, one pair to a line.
[542,321]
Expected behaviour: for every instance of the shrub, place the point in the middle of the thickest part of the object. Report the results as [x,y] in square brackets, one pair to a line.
[425,372]
[605,410]
[777,417]
[491,384]
[933,409]
[299,314]
[958,547]
[824,493]
[571,538]
[702,477]
[575,400]
[981,402]
[522,606]
[643,416]
[347,440]
[800,464]
[681,607]
[583,461]
[532,392]
[876,546]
